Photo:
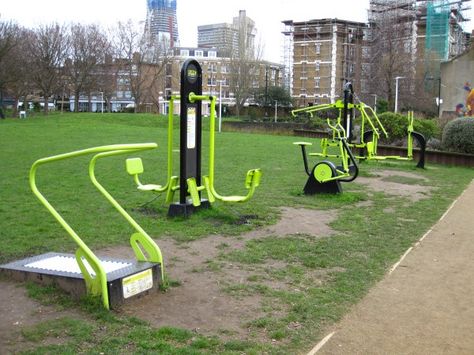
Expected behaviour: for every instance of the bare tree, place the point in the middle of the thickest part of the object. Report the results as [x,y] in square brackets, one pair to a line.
[17,63]
[142,61]
[9,39]
[244,63]
[88,48]
[48,50]
[392,50]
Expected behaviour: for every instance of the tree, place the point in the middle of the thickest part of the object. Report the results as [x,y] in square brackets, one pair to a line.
[9,39]
[244,63]
[392,50]
[142,61]
[48,51]
[267,96]
[88,48]
[17,65]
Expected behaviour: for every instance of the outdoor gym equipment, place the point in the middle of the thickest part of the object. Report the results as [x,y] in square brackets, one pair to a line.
[368,142]
[190,182]
[325,177]
[114,280]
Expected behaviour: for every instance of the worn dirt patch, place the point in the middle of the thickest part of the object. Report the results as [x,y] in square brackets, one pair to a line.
[414,192]
[201,303]
[18,311]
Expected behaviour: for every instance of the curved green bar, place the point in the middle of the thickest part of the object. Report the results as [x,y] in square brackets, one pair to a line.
[141,237]
[253,177]
[96,285]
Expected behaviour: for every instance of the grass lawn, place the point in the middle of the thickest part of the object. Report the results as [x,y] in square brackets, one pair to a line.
[366,242]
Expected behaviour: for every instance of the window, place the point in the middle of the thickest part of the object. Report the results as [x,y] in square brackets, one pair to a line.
[318,48]
[365,52]
[212,54]
[224,68]
[198,53]
[317,82]
[211,81]
[184,53]
[317,66]
[212,68]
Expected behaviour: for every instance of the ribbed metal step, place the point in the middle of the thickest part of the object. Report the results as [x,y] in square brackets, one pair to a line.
[125,278]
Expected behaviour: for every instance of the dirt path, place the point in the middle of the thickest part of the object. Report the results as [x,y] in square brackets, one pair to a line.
[425,306]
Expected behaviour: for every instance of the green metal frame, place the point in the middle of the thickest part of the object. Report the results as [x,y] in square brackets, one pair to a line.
[172,181]
[370,118]
[140,241]
[252,179]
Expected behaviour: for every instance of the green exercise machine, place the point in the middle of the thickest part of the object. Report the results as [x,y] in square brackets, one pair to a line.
[325,176]
[371,130]
[191,183]
[114,280]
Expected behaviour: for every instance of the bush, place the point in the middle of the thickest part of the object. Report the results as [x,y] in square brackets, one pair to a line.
[458,136]
[396,126]
[428,128]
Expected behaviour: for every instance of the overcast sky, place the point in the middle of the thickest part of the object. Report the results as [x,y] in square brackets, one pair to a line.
[267,15]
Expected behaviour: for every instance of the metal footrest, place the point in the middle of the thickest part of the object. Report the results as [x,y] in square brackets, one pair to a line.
[126,279]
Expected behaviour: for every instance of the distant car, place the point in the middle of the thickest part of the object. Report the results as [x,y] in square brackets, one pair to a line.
[51,105]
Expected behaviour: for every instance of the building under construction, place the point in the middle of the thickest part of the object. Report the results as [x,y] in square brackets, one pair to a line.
[422,33]
[402,38]
[322,55]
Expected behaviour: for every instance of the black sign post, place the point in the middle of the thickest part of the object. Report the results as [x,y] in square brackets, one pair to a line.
[190,137]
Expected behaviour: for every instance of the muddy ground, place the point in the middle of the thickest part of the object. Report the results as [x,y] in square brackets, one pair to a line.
[199,302]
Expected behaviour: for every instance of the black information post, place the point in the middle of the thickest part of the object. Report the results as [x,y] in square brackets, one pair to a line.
[190,136]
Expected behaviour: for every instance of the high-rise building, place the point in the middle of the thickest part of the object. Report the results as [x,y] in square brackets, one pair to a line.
[228,38]
[162,21]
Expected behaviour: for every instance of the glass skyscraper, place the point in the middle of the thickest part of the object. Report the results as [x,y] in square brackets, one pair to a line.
[162,20]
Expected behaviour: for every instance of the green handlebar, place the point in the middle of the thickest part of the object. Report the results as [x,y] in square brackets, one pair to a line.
[96,285]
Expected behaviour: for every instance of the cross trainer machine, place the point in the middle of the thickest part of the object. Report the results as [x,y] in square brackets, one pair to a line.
[368,142]
[114,280]
[190,183]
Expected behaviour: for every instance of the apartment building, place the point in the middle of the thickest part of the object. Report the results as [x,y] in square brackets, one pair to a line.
[323,55]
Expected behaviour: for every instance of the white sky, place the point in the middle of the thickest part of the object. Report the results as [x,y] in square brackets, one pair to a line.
[267,15]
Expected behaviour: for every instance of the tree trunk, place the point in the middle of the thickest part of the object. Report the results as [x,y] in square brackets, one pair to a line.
[46,107]
[76,100]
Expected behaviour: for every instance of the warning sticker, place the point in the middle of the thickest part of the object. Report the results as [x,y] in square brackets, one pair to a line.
[137,283]
[191,133]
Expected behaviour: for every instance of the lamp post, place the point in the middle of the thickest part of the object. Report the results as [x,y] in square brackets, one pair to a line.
[375,102]
[276,110]
[102,100]
[396,91]
[220,104]
[438,99]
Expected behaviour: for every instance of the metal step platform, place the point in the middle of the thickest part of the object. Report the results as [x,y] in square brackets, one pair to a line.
[126,279]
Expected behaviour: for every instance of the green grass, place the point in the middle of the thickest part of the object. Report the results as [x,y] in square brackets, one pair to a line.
[320,278]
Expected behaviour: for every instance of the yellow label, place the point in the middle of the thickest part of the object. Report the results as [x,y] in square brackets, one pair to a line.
[135,284]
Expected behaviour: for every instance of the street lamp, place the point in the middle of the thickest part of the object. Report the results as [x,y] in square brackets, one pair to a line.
[396,91]
[102,100]
[375,102]
[276,110]
[220,104]
[439,101]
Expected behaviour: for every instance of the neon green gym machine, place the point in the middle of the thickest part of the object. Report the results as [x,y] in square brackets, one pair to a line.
[114,280]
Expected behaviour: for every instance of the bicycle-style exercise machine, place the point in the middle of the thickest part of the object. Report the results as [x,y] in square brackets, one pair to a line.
[325,176]
[191,183]
[114,280]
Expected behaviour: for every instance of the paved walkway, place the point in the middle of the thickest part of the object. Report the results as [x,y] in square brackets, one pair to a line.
[425,305]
